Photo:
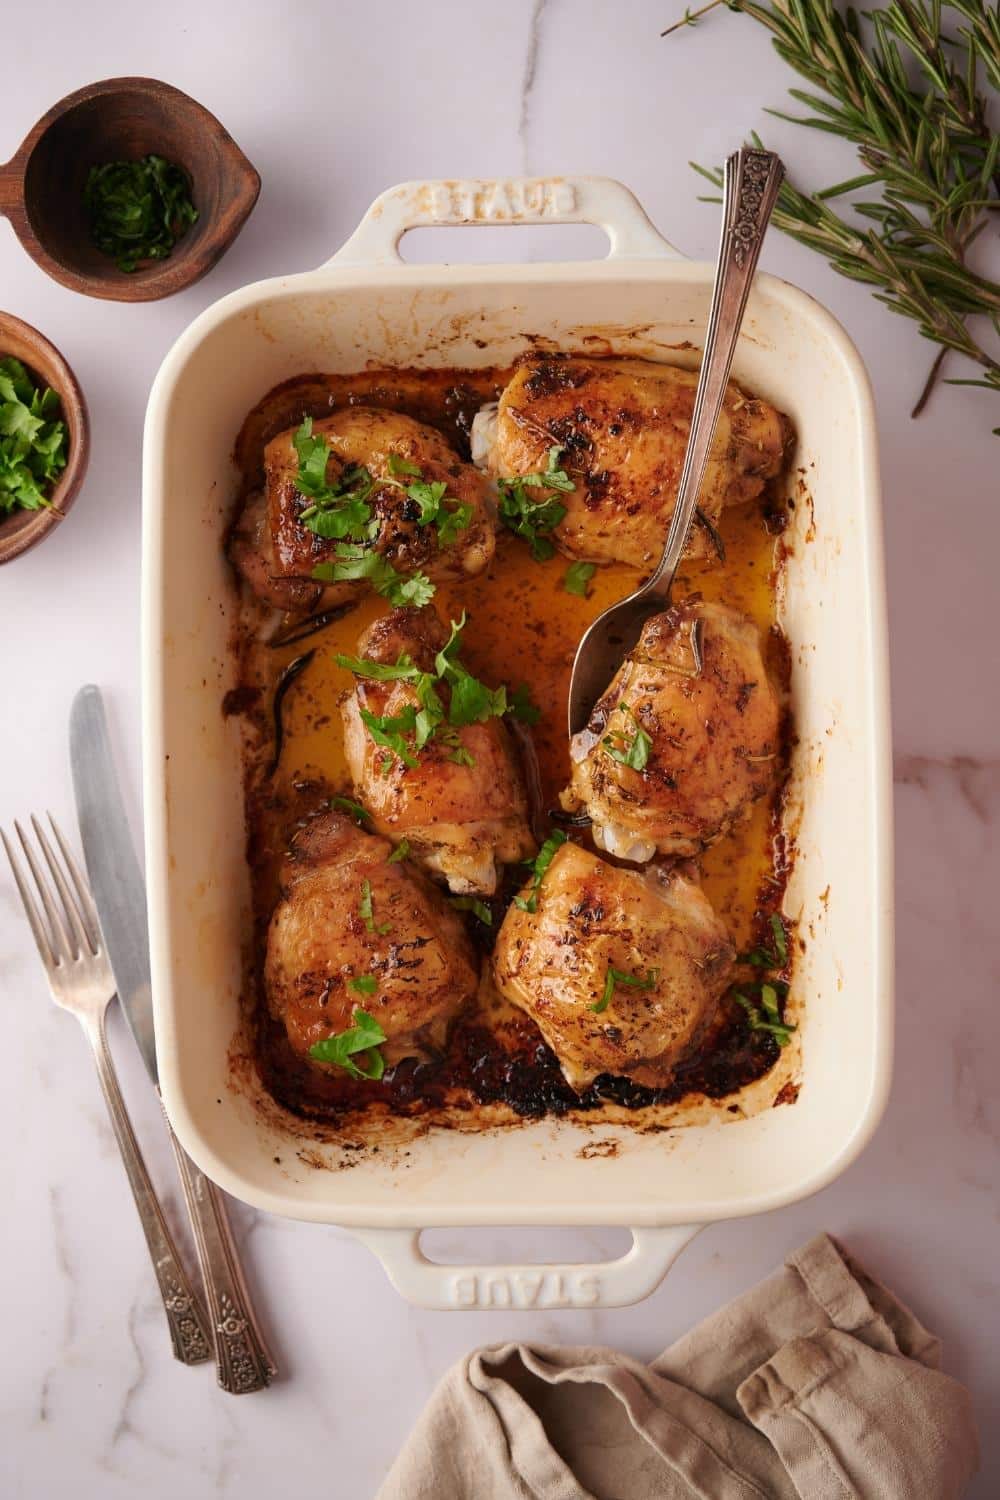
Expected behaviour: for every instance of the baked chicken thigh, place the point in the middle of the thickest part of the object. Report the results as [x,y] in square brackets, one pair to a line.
[382,498]
[621,970]
[621,426]
[346,914]
[461,804]
[685,738]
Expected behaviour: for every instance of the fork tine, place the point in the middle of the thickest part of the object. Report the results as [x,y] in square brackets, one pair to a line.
[30,909]
[85,901]
[57,934]
[78,926]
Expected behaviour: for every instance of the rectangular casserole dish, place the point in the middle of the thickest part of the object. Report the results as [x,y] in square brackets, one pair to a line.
[367,306]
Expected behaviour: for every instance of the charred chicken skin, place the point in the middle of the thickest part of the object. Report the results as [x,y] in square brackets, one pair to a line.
[622,427]
[685,738]
[276,551]
[462,806]
[346,913]
[621,970]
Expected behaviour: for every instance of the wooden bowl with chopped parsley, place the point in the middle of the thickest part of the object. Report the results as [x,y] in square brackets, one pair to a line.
[44,437]
[128,189]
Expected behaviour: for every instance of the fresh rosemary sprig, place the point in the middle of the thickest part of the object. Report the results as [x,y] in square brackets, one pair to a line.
[903,90]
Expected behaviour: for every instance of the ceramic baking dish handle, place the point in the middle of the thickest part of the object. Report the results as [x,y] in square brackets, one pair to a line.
[512,200]
[609,1283]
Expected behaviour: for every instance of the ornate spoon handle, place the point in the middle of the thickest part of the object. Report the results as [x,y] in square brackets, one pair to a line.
[243,1361]
[750,192]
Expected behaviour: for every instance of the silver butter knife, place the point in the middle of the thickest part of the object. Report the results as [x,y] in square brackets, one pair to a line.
[243,1362]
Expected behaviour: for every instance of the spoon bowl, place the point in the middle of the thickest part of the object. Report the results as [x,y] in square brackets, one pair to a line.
[123,119]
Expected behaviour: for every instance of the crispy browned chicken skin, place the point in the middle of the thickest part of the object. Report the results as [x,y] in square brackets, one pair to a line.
[622,426]
[319,939]
[654,926]
[276,553]
[461,821]
[697,685]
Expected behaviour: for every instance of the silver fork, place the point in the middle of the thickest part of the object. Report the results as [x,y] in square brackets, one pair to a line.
[68,937]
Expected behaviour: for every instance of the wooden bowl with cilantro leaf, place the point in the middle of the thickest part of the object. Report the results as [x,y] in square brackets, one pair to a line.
[44,437]
[128,189]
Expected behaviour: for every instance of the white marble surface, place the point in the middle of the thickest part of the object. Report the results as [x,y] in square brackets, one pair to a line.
[334,103]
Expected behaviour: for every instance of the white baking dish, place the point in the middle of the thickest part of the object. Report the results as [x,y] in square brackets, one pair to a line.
[367,306]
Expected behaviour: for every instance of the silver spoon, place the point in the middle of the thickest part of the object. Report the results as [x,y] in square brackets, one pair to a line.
[750,192]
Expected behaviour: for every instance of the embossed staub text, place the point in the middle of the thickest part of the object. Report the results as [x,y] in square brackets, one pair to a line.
[539,1288]
[503,200]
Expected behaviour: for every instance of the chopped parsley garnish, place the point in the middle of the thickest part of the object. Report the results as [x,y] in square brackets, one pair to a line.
[577,576]
[138,210]
[615,977]
[534,519]
[356,561]
[430,497]
[400,852]
[340,509]
[766,1015]
[472,903]
[341,1049]
[360,814]
[539,865]
[367,910]
[521,706]
[32,439]
[764,958]
[627,749]
[365,984]
[470,702]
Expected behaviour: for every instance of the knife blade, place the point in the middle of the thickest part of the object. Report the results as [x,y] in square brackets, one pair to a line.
[116,880]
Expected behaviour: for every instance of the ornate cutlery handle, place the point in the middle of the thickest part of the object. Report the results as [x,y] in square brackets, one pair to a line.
[185,1315]
[750,191]
[242,1359]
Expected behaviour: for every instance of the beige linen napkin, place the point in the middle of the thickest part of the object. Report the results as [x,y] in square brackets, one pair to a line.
[817,1384]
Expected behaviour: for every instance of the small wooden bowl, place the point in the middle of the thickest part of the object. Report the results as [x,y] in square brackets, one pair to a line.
[24,528]
[122,119]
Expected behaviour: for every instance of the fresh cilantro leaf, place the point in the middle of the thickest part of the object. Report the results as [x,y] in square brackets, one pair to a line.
[460,756]
[469,701]
[521,705]
[360,814]
[472,903]
[451,523]
[390,732]
[577,576]
[365,984]
[363,666]
[137,210]
[399,465]
[617,976]
[367,911]
[539,865]
[417,590]
[535,519]
[400,852]
[768,1019]
[364,1037]
[32,445]
[630,750]
[355,561]
[428,497]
